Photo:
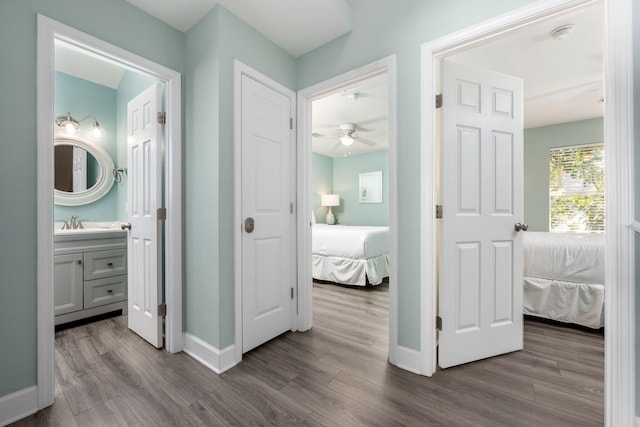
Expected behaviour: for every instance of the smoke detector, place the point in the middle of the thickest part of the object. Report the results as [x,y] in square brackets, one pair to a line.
[562,32]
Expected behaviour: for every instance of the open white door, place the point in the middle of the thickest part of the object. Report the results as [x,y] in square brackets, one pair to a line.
[144,197]
[480,284]
[267,214]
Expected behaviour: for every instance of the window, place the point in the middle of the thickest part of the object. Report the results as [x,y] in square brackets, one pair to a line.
[576,188]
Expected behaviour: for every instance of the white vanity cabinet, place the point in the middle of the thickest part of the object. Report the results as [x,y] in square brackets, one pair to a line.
[90,274]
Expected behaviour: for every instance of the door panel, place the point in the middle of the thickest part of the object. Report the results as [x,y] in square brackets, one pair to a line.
[267,276]
[480,298]
[143,199]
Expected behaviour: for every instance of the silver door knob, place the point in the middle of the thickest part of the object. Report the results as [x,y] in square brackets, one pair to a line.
[521,227]
[249,225]
[126,226]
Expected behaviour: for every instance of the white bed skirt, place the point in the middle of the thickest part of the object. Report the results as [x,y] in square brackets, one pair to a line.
[349,271]
[569,302]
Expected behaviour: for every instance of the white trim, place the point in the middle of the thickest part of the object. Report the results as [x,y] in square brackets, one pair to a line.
[216,360]
[619,306]
[620,372]
[305,97]
[240,69]
[409,359]
[637,421]
[18,405]
[49,31]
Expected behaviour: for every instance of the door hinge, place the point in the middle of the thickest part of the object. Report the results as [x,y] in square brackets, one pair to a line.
[438,100]
[162,214]
[291,293]
[162,310]
[438,323]
[438,211]
[162,117]
[291,123]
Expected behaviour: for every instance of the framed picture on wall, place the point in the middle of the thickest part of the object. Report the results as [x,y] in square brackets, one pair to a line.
[370,187]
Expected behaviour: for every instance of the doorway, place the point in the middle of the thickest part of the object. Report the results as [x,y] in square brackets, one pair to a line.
[50,32]
[618,364]
[383,69]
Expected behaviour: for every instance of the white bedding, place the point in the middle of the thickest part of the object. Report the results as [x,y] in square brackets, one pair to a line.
[570,257]
[350,255]
[349,241]
[564,277]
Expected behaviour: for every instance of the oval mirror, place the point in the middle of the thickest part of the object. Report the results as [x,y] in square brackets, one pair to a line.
[83,170]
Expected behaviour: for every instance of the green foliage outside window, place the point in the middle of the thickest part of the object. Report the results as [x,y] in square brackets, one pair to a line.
[576,188]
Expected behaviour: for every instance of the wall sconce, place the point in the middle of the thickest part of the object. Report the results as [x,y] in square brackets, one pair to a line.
[330,200]
[72,126]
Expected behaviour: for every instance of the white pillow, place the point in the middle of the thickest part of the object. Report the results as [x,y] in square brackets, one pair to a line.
[313,217]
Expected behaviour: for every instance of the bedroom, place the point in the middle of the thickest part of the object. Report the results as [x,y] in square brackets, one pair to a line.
[547,126]
[350,209]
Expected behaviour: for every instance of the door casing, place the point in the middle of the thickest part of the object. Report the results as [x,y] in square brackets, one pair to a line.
[48,32]
[620,372]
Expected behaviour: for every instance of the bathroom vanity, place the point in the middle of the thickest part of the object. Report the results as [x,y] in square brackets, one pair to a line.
[90,273]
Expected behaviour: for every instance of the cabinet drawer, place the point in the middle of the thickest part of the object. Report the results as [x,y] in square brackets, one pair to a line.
[104,291]
[98,265]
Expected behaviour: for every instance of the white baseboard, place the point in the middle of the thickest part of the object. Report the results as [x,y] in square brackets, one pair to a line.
[637,421]
[407,359]
[18,405]
[216,360]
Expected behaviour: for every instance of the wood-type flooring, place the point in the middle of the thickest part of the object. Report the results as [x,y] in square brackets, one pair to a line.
[334,375]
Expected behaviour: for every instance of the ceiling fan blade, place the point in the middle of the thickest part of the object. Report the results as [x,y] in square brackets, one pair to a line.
[366,141]
[363,123]
[337,146]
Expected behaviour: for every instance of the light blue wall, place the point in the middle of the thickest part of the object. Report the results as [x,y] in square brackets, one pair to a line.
[211,47]
[118,23]
[383,28]
[346,171]
[84,98]
[131,85]
[537,142]
[321,183]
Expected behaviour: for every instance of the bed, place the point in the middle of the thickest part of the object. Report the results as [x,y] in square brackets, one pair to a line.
[564,277]
[350,255]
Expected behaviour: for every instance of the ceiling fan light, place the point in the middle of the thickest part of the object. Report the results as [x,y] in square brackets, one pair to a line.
[347,140]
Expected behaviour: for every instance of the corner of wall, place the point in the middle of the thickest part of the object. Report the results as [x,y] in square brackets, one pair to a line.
[218,361]
[18,405]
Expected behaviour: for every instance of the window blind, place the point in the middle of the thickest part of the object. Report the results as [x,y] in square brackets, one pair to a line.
[576,188]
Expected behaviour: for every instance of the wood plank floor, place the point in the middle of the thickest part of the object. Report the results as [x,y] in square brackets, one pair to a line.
[334,375]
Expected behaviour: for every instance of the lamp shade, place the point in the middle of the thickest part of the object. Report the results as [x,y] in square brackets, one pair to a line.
[330,200]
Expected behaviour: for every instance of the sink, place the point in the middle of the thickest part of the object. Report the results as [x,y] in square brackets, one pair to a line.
[90,227]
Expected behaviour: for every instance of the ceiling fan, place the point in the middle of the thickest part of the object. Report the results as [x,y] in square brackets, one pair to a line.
[347,136]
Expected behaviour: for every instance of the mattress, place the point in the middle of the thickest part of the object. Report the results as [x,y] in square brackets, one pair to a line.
[567,257]
[346,241]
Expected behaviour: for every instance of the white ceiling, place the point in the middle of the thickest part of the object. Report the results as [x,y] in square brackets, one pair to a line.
[563,79]
[79,63]
[298,26]
[365,105]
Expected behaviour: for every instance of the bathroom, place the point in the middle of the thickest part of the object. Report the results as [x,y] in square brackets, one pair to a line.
[91,97]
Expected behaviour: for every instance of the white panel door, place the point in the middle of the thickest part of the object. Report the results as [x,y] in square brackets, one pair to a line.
[480,285]
[267,277]
[143,199]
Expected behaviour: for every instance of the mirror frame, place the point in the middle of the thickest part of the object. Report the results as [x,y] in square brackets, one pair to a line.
[105,165]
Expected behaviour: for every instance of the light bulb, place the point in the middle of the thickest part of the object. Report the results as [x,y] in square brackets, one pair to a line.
[96,130]
[347,140]
[70,128]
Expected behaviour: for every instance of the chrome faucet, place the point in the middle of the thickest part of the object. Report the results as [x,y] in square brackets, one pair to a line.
[73,224]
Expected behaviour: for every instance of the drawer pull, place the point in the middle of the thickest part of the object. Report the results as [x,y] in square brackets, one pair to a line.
[110,291]
[110,264]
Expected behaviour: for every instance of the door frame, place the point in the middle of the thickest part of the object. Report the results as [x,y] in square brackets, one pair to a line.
[306,96]
[50,30]
[240,69]
[619,305]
